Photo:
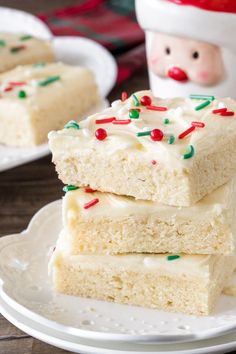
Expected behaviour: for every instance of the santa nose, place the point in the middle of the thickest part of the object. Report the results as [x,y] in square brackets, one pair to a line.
[177,74]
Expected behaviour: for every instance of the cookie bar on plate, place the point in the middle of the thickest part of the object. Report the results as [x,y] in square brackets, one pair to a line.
[38,98]
[187,283]
[107,223]
[22,49]
[174,151]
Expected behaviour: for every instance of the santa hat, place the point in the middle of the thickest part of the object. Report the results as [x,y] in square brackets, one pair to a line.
[212,21]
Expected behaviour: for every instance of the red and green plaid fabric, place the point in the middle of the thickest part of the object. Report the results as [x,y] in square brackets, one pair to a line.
[112,23]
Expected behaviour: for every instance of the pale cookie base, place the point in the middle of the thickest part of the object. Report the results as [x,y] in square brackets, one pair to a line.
[134,175]
[27,121]
[118,224]
[138,282]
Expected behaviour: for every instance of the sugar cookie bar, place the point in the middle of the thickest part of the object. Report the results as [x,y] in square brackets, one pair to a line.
[119,224]
[38,98]
[22,49]
[185,283]
[174,151]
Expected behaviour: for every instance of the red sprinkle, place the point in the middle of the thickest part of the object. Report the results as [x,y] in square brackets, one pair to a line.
[220,110]
[156,135]
[145,101]
[135,109]
[91,203]
[123,96]
[186,132]
[198,124]
[89,190]
[8,88]
[17,83]
[156,108]
[227,114]
[154,162]
[125,121]
[105,120]
[101,134]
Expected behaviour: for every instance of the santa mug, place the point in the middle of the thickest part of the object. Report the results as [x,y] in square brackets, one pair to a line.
[190,45]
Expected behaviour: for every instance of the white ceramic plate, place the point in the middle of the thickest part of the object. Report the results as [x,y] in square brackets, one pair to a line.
[85,52]
[26,286]
[83,346]
[11,157]
[12,20]
[70,50]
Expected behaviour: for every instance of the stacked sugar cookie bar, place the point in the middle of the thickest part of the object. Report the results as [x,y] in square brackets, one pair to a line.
[149,209]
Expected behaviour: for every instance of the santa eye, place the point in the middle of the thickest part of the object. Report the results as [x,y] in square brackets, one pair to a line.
[167,50]
[195,55]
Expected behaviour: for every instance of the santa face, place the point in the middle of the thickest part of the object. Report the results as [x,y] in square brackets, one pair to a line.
[183,60]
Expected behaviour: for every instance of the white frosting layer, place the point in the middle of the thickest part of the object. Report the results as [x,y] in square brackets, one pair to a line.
[181,112]
[218,205]
[31,76]
[187,265]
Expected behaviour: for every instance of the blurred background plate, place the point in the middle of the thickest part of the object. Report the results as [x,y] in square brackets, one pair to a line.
[14,21]
[88,53]
[70,50]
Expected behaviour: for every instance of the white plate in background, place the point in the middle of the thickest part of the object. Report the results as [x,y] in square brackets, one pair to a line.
[70,50]
[12,20]
[88,53]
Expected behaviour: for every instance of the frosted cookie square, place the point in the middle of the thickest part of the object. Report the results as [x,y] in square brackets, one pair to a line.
[35,99]
[105,223]
[181,283]
[21,49]
[174,151]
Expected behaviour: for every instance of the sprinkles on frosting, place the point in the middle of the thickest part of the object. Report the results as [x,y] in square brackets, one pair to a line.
[123,96]
[26,37]
[172,257]
[49,80]
[189,154]
[91,203]
[135,99]
[17,48]
[69,187]
[71,124]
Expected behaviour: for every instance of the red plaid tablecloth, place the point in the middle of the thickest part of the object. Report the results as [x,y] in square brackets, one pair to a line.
[112,23]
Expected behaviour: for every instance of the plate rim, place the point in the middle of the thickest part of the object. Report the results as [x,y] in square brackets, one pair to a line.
[108,57]
[98,335]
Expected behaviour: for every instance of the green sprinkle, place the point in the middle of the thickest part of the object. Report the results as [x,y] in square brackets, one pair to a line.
[171,139]
[172,257]
[2,43]
[202,105]
[25,38]
[38,65]
[49,80]
[22,94]
[133,114]
[136,101]
[202,97]
[71,124]
[189,154]
[69,187]
[14,50]
[143,133]
[166,121]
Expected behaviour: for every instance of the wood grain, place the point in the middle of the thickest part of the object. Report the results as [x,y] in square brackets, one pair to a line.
[27,188]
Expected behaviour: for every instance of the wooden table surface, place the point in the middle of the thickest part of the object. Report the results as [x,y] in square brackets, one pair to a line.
[25,189]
